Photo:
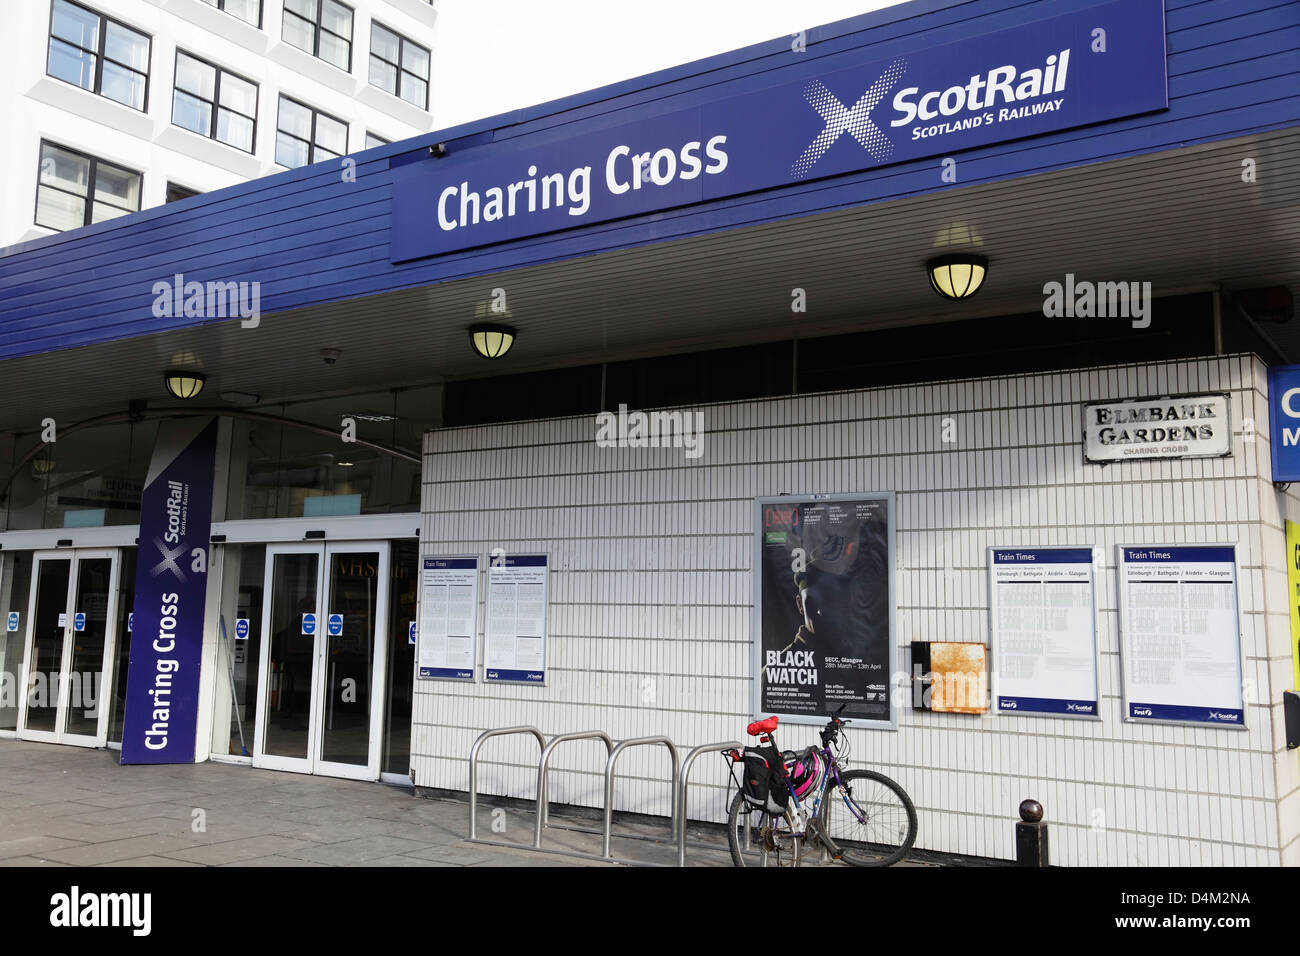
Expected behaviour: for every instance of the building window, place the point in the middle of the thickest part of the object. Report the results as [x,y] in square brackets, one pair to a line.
[399,66]
[279,468]
[250,11]
[91,477]
[74,189]
[372,140]
[305,135]
[321,27]
[214,102]
[98,54]
[175,192]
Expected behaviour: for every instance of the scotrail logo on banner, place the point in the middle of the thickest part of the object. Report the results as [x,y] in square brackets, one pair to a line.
[838,116]
[162,687]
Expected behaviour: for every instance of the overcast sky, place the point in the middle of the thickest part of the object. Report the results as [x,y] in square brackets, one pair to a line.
[529,51]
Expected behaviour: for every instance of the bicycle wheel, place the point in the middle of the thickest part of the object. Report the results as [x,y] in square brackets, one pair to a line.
[757,838]
[870,818]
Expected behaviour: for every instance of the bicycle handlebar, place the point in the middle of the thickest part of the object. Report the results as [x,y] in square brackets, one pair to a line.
[828,733]
[831,731]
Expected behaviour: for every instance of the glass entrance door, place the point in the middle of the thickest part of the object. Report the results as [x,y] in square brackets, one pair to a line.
[324,644]
[71,634]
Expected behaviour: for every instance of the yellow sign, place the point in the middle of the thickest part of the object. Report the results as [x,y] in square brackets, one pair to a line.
[1293,596]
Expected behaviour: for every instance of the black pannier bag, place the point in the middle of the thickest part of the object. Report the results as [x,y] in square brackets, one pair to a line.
[764,784]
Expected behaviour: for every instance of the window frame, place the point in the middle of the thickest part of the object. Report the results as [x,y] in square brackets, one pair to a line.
[261,12]
[311,143]
[173,185]
[216,101]
[91,177]
[382,141]
[100,55]
[402,42]
[317,27]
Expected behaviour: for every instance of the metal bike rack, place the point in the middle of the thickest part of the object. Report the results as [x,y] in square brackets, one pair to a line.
[609,787]
[684,784]
[678,783]
[541,776]
[473,767]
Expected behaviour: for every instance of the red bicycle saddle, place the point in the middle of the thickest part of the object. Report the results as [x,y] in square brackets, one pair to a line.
[760,727]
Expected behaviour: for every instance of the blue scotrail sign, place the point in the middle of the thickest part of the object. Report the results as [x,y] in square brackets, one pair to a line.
[835,115]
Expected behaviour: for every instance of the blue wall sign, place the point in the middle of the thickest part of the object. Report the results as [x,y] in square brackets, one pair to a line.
[843,116]
[79,621]
[13,621]
[130,622]
[309,624]
[410,633]
[241,629]
[162,689]
[1284,421]
[334,625]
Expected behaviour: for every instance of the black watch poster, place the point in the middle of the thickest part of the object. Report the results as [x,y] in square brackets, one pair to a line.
[824,607]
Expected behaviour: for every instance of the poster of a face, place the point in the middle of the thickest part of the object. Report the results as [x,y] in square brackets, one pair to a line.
[824,613]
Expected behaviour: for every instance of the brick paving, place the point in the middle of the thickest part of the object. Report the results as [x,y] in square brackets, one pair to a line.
[70,806]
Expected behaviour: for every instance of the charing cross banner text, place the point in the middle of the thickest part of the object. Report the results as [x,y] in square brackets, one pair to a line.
[1092,65]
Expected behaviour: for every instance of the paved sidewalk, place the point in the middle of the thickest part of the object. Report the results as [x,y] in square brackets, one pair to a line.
[69,806]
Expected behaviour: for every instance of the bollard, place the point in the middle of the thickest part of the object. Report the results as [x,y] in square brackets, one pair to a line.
[1031,835]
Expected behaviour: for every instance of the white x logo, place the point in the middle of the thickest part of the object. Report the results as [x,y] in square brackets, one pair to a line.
[168,562]
[856,121]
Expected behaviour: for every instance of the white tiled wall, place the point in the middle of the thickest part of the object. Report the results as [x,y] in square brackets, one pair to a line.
[651,600]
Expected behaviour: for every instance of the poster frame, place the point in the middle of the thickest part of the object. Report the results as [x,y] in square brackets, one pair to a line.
[546,621]
[995,692]
[756,609]
[1121,591]
[419,618]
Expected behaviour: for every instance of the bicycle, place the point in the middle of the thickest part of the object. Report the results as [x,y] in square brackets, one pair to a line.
[877,827]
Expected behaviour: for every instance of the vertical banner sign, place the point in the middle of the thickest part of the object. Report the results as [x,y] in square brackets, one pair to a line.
[1180,643]
[162,687]
[448,629]
[1043,627]
[514,640]
[824,607]
[1284,421]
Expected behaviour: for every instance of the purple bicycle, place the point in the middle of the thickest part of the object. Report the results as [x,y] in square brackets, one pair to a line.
[790,801]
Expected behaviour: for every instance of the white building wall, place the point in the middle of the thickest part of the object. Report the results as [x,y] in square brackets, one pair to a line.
[651,601]
[36,106]
[502,55]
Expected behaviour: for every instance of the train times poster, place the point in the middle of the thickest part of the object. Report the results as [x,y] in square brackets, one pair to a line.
[824,607]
